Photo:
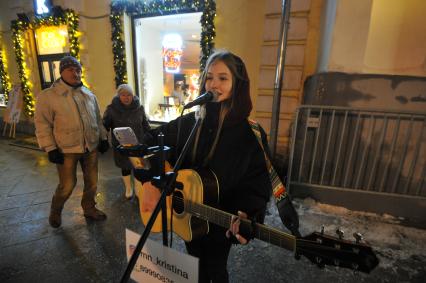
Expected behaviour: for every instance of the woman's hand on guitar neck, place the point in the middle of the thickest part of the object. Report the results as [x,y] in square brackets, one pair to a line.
[150,197]
[234,228]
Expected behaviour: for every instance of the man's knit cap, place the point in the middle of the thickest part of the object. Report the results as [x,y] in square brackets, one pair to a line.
[68,61]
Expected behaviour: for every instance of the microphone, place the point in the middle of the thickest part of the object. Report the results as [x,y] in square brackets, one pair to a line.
[209,96]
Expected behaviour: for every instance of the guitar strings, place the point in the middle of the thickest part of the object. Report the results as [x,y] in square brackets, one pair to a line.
[305,247]
[223,218]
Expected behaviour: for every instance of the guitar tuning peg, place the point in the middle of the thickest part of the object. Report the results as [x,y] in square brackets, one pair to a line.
[297,256]
[358,237]
[336,262]
[322,229]
[319,262]
[340,233]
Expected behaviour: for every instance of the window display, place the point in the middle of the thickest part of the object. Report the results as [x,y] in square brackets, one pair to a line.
[167,63]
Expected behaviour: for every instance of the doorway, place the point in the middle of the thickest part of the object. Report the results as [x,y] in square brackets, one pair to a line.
[52,44]
[49,68]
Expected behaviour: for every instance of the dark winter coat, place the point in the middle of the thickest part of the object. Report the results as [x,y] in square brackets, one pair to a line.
[238,162]
[240,167]
[133,116]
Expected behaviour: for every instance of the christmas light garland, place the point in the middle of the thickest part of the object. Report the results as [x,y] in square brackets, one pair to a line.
[157,8]
[4,77]
[19,27]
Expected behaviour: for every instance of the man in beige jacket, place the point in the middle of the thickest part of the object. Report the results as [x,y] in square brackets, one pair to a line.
[69,128]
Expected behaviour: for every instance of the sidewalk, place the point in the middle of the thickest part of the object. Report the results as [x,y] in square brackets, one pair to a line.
[83,251]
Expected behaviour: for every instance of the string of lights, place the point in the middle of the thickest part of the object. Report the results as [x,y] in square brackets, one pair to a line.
[4,77]
[20,27]
[155,8]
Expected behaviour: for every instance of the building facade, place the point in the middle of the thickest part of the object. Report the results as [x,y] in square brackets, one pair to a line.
[325,37]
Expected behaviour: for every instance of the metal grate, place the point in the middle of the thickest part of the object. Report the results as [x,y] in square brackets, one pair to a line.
[359,149]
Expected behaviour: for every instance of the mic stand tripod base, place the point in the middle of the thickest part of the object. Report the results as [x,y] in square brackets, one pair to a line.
[168,189]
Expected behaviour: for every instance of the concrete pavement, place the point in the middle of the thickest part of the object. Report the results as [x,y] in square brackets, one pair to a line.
[85,251]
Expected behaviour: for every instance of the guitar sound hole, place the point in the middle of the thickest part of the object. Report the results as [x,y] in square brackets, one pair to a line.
[178,205]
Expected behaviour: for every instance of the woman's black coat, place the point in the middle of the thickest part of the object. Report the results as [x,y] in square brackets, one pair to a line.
[133,116]
[238,162]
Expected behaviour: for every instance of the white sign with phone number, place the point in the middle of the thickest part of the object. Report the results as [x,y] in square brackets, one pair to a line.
[158,263]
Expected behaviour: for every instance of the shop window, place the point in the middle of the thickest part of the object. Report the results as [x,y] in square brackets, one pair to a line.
[167,54]
[52,44]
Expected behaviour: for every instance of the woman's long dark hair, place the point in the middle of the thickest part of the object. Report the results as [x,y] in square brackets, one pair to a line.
[240,104]
[235,109]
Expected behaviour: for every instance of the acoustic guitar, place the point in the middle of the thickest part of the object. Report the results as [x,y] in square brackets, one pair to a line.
[198,191]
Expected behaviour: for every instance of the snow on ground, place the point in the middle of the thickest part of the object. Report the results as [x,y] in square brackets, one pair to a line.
[391,240]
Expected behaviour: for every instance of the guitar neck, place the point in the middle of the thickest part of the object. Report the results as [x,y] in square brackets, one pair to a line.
[223,219]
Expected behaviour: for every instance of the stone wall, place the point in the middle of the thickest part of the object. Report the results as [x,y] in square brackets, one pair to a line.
[387,92]
[299,59]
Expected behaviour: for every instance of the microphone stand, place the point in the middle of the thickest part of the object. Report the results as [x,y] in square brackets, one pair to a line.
[166,184]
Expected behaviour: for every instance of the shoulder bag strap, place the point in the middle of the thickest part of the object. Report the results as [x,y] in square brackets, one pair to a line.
[278,187]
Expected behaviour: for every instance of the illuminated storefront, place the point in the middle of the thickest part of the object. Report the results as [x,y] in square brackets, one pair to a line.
[167,56]
[52,44]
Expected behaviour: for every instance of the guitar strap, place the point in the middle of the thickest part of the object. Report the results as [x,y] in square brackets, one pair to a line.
[278,188]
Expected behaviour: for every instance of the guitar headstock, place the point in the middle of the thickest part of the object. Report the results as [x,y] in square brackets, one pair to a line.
[322,249]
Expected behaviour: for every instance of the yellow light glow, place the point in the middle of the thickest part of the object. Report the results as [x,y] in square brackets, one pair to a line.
[52,39]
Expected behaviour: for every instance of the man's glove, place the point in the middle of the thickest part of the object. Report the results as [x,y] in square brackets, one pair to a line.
[103,146]
[55,156]
[288,215]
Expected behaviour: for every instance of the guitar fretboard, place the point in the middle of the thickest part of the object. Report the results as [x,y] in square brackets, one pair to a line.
[223,219]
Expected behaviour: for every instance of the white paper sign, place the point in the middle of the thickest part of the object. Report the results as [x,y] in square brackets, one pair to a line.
[14,105]
[14,116]
[158,263]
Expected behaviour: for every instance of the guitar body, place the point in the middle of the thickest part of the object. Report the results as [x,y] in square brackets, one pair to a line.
[198,186]
[193,204]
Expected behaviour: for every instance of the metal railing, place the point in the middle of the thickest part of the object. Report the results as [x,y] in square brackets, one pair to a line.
[359,149]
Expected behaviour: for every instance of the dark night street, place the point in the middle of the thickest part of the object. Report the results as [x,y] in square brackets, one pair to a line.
[80,251]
